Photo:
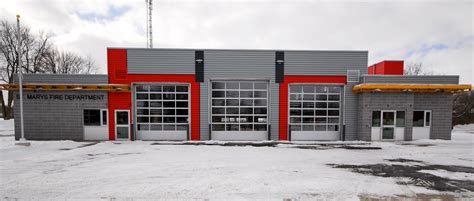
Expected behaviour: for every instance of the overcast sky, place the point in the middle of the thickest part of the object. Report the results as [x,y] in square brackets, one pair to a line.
[440,34]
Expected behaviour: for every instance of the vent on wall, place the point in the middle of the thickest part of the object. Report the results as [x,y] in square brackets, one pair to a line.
[120,74]
[353,75]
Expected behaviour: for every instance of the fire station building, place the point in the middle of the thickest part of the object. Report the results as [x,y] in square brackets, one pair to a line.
[218,94]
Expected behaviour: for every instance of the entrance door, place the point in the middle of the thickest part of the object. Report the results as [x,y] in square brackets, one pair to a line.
[388,125]
[421,124]
[122,124]
[314,112]
[162,111]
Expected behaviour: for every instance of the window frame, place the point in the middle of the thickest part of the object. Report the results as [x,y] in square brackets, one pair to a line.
[243,115]
[425,122]
[100,116]
[296,97]
[154,108]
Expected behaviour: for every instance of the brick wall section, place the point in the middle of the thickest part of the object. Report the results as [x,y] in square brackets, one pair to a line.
[55,119]
[369,102]
[441,105]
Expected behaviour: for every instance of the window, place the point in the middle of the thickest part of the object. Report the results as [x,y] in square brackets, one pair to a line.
[92,117]
[427,118]
[418,118]
[104,117]
[375,118]
[239,105]
[400,119]
[162,107]
[388,118]
[314,107]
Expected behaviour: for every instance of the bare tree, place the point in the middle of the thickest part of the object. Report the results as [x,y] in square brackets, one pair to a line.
[63,62]
[463,111]
[38,56]
[9,57]
[416,69]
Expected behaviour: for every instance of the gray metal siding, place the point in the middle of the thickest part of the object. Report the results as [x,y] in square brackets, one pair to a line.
[418,79]
[332,63]
[350,112]
[55,119]
[240,64]
[204,109]
[325,62]
[160,61]
[64,79]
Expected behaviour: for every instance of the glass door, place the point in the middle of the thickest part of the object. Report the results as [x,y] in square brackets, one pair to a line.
[388,125]
[122,124]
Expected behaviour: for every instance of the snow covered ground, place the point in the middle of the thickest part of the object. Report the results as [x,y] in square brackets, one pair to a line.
[138,170]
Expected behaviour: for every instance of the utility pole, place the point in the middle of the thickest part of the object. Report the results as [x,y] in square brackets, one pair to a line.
[149,31]
[22,141]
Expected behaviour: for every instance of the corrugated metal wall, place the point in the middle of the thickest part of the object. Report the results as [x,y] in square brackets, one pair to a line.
[331,63]
[324,62]
[63,79]
[418,79]
[160,61]
[239,64]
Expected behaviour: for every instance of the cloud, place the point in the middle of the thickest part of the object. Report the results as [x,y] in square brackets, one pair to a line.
[112,13]
[437,33]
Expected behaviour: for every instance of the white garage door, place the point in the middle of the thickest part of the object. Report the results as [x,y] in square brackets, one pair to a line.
[314,112]
[239,110]
[162,111]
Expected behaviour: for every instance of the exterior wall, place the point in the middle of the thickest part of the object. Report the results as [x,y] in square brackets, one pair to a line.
[49,118]
[331,63]
[350,119]
[63,79]
[411,79]
[387,68]
[441,105]
[117,70]
[301,80]
[239,64]
[325,62]
[369,102]
[160,61]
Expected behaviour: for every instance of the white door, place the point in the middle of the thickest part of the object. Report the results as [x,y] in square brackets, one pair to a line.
[239,110]
[122,124]
[162,111]
[314,112]
[388,125]
[421,124]
[95,124]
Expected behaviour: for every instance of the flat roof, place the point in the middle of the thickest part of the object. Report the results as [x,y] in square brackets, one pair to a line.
[230,49]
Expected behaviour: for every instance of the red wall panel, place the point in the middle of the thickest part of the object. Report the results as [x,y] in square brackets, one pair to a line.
[386,68]
[117,70]
[284,95]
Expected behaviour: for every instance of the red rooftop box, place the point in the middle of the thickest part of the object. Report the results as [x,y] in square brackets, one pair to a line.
[386,68]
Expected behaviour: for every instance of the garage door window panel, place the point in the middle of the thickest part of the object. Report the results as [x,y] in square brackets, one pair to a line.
[237,104]
[158,106]
[314,108]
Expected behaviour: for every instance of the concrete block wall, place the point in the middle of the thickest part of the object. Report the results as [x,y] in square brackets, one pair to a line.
[369,102]
[441,106]
[55,119]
